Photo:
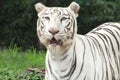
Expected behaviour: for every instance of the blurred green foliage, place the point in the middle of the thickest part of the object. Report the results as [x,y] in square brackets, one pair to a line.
[18,18]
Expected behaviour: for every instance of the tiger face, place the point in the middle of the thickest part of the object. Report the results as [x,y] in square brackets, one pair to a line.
[56,26]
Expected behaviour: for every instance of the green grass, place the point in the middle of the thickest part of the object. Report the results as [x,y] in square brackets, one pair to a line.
[14,64]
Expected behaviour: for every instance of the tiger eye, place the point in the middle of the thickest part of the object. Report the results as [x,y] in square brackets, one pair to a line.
[47,18]
[63,19]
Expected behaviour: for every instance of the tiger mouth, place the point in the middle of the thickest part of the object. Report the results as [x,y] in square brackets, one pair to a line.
[53,41]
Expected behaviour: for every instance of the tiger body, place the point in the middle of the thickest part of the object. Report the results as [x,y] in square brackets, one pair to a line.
[70,56]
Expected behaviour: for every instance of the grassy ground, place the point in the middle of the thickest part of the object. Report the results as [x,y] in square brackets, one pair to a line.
[14,64]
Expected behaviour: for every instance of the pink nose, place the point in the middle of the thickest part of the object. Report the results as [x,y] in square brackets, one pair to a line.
[53,31]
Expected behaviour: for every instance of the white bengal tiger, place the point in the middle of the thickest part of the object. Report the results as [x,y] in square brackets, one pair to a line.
[94,56]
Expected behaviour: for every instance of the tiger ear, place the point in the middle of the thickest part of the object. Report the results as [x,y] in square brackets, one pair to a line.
[74,7]
[39,7]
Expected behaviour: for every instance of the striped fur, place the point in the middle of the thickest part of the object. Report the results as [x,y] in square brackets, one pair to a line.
[70,56]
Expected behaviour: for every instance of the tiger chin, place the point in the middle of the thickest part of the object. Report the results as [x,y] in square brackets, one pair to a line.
[71,56]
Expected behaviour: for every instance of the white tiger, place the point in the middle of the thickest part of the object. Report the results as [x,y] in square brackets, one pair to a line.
[94,56]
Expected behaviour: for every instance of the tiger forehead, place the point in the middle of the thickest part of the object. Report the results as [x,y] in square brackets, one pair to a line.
[58,11]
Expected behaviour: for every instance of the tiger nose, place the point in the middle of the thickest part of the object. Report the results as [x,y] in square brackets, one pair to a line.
[53,31]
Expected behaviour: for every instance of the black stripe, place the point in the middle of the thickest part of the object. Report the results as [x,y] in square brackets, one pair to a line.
[115,26]
[111,32]
[74,60]
[83,58]
[85,78]
[112,45]
[62,59]
[91,47]
[73,67]
[50,68]
[68,27]
[74,22]
[115,57]
[106,48]
[100,49]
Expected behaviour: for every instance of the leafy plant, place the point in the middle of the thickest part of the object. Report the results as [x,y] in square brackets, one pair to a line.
[7,74]
[14,64]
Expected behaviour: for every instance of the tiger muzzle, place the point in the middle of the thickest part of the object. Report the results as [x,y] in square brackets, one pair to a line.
[53,31]
[53,41]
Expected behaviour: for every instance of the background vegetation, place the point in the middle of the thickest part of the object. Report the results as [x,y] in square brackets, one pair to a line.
[17,65]
[18,32]
[18,19]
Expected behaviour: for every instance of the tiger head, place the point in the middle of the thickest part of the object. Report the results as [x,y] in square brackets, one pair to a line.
[56,26]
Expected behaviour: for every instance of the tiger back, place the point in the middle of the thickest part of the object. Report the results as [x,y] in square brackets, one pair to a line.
[72,56]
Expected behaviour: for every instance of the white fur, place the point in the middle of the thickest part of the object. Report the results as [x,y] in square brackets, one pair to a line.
[94,56]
